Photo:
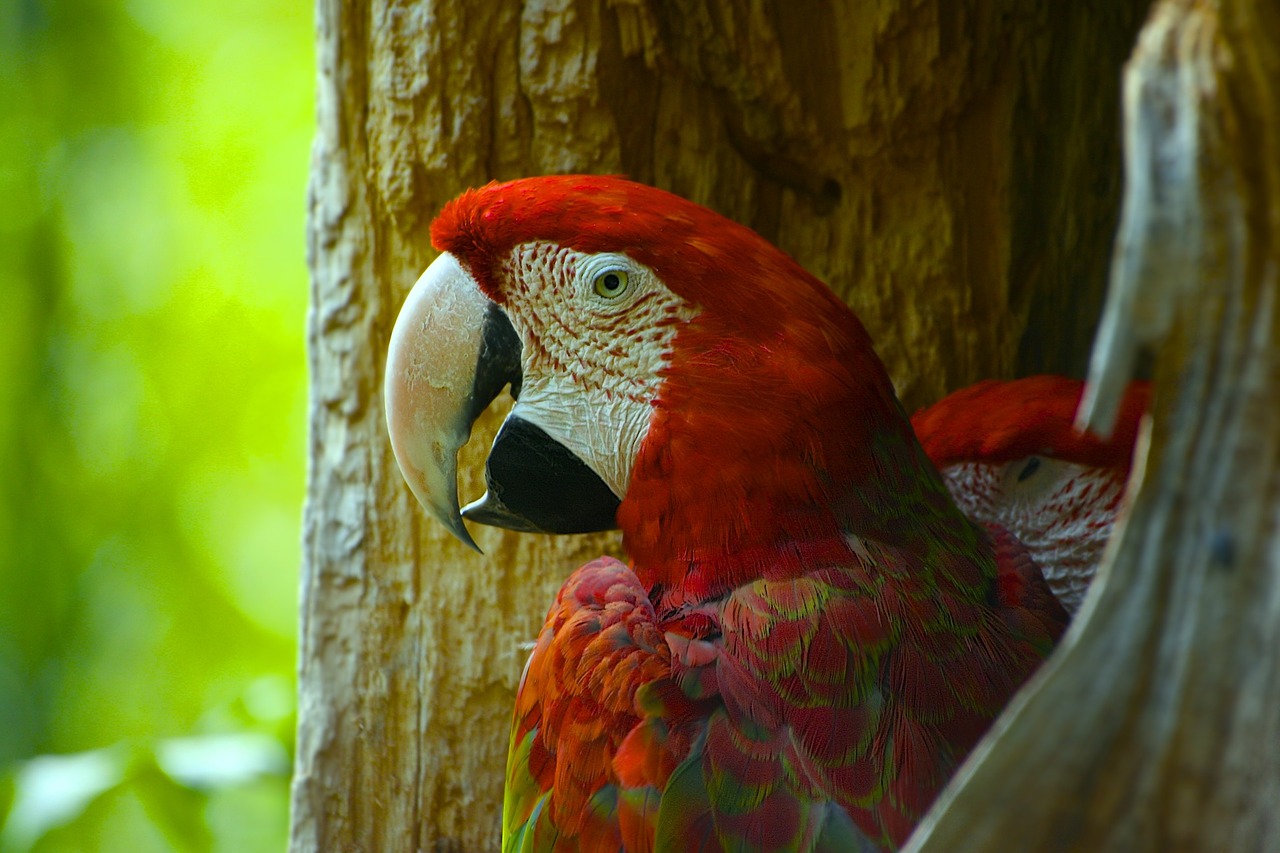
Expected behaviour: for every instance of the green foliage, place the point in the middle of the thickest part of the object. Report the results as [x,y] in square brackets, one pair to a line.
[153,161]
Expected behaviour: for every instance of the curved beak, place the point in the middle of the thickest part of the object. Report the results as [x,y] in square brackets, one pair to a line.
[452,352]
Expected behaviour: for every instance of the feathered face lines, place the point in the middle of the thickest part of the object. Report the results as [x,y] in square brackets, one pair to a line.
[603,319]
[596,332]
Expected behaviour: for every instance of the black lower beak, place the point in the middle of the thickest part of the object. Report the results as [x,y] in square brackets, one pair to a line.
[536,484]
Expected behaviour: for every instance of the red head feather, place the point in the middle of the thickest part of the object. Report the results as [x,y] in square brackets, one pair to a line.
[702,256]
[995,421]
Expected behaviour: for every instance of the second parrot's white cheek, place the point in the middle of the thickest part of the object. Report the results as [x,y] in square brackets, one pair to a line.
[604,430]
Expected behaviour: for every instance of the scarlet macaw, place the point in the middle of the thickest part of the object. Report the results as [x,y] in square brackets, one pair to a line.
[810,635]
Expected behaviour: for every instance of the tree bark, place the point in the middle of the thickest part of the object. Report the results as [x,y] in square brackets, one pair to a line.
[950,168]
[1157,725]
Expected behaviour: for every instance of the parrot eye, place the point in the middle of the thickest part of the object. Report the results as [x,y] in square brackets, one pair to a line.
[611,284]
[611,280]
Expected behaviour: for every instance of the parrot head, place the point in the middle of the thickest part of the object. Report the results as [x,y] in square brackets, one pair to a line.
[674,374]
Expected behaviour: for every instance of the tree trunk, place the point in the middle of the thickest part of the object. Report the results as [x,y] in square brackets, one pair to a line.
[1157,725]
[950,168]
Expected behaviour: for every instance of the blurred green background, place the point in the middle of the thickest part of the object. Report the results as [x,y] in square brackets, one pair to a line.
[153,160]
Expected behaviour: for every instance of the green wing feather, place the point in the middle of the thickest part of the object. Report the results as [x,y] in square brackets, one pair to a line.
[574,708]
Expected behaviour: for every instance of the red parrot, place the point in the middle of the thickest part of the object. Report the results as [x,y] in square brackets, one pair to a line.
[1010,455]
[810,635]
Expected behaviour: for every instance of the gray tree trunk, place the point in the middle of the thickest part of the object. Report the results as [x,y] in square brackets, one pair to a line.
[950,168]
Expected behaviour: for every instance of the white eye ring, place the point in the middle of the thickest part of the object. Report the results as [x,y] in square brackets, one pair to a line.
[611,283]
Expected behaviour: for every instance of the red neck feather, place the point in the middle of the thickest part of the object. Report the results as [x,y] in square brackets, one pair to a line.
[769,443]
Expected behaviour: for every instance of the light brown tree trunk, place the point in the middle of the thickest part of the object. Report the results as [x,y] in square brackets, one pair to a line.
[950,168]
[1157,725]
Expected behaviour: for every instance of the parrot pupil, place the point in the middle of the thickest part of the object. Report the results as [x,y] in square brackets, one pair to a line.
[611,284]
[1033,465]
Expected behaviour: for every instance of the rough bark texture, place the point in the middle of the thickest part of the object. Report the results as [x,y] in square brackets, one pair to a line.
[1157,725]
[951,168]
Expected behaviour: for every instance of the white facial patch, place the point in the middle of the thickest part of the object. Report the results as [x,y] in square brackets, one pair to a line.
[596,331]
[1062,512]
